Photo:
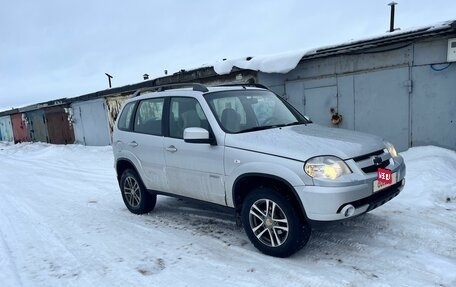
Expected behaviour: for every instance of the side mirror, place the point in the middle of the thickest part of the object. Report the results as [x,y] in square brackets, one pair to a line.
[197,135]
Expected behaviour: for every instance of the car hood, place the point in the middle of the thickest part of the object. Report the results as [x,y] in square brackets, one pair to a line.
[305,141]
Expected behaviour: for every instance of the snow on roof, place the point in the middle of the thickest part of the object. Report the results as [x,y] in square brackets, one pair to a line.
[278,63]
[285,62]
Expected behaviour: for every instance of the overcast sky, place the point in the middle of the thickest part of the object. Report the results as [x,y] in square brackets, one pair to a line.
[57,49]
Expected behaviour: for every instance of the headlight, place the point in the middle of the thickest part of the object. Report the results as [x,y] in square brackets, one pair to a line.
[391,149]
[326,167]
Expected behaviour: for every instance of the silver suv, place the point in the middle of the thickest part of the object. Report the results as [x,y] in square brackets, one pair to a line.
[246,148]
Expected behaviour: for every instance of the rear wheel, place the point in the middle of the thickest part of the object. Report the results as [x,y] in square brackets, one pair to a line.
[134,194]
[272,224]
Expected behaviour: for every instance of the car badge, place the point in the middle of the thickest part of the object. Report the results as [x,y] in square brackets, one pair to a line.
[377,160]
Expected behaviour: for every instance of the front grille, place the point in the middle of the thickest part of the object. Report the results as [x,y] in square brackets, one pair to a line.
[374,168]
[366,156]
[366,162]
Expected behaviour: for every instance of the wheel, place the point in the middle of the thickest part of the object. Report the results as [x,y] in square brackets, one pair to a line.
[272,223]
[134,194]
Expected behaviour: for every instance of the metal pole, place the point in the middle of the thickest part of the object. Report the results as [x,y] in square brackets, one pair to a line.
[392,4]
[109,79]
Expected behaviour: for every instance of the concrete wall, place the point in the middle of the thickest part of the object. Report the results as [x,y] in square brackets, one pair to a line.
[394,92]
[113,105]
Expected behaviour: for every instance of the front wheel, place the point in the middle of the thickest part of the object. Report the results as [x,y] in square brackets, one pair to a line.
[134,194]
[272,224]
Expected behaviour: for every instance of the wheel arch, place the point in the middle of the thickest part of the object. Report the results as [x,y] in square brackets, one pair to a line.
[245,183]
[123,164]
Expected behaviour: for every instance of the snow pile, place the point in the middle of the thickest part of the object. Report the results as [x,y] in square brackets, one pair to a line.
[63,223]
[430,177]
[277,63]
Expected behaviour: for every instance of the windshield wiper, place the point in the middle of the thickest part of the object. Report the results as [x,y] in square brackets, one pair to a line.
[293,124]
[269,127]
[259,128]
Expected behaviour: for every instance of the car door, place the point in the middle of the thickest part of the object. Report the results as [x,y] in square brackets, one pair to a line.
[143,141]
[193,170]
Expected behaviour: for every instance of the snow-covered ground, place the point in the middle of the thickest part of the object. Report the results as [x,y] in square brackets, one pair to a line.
[63,223]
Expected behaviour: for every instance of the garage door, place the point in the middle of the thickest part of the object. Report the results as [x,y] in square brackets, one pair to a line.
[382,105]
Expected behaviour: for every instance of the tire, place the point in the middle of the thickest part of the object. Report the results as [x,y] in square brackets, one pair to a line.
[281,231]
[134,194]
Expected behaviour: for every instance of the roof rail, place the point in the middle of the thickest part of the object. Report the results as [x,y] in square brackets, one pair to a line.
[195,86]
[246,85]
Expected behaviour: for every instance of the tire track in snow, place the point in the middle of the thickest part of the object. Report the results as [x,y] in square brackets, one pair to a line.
[9,273]
[55,260]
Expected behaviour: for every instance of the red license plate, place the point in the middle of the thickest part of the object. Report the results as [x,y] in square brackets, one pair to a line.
[384,176]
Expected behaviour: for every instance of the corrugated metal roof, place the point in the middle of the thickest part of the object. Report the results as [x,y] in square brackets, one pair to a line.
[396,37]
[9,112]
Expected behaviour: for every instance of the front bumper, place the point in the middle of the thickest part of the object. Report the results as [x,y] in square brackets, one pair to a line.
[325,203]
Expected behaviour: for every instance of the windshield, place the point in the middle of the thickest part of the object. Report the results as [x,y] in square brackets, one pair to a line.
[250,110]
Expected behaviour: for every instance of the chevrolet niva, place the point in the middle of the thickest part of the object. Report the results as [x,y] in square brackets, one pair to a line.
[244,147]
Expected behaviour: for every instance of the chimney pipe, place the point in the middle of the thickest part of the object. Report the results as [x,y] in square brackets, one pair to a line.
[392,4]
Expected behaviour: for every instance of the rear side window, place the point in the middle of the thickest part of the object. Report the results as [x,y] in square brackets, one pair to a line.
[149,115]
[125,117]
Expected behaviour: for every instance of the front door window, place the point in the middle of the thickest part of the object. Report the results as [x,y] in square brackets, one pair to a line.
[185,113]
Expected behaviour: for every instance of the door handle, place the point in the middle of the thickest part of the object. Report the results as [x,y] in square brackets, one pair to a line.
[133,144]
[171,148]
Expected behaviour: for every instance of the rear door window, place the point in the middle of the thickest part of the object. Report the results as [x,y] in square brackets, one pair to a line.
[149,116]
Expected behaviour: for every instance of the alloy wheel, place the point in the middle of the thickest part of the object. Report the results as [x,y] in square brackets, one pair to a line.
[268,222]
[132,191]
